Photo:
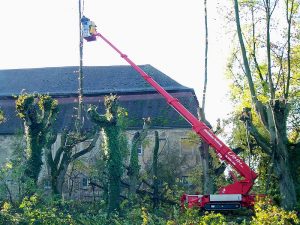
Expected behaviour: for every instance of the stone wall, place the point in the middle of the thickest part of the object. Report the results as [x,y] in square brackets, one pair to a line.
[172,144]
[8,144]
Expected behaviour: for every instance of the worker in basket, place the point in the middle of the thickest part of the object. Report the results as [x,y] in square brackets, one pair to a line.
[89,29]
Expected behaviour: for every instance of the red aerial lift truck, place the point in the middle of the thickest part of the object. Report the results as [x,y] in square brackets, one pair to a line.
[233,196]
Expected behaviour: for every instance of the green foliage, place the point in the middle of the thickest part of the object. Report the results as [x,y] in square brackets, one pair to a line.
[27,104]
[268,68]
[40,210]
[135,215]
[196,174]
[7,216]
[47,104]
[295,166]
[114,164]
[252,154]
[193,216]
[2,118]
[266,213]
[122,124]
[155,171]
[23,103]
[38,113]
[35,214]
[195,179]
[113,140]
[169,169]
[33,211]
[134,166]
[13,184]
[212,218]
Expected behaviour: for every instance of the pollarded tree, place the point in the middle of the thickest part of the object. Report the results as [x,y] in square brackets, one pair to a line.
[134,167]
[111,147]
[38,113]
[267,69]
[155,171]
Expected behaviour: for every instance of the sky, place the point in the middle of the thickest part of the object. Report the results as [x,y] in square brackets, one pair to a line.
[168,34]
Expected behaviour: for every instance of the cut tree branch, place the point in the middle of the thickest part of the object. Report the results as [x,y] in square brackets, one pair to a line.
[140,192]
[89,148]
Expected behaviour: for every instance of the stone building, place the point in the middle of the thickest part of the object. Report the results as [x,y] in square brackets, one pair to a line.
[135,95]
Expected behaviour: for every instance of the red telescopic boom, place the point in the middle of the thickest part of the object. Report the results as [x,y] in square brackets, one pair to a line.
[224,152]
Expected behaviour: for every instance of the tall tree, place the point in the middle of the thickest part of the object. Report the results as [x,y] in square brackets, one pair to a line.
[58,161]
[205,57]
[205,157]
[270,87]
[134,167]
[38,113]
[79,117]
[112,148]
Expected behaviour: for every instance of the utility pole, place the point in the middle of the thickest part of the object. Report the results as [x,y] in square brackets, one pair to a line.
[80,74]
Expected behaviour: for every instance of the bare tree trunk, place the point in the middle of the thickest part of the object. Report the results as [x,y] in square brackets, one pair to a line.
[78,122]
[206,57]
[9,192]
[286,183]
[61,179]
[205,157]
[281,155]
[208,181]
[268,21]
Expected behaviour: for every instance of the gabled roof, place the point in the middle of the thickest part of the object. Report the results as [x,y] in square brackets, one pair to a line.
[97,80]
[135,95]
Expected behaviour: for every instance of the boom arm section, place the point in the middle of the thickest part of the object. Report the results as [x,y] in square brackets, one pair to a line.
[224,152]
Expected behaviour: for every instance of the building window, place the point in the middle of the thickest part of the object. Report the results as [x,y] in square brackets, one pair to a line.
[187,147]
[163,140]
[47,184]
[140,150]
[85,182]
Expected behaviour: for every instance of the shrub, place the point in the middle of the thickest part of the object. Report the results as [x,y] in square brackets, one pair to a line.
[266,213]
[194,216]
[212,218]
[32,211]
